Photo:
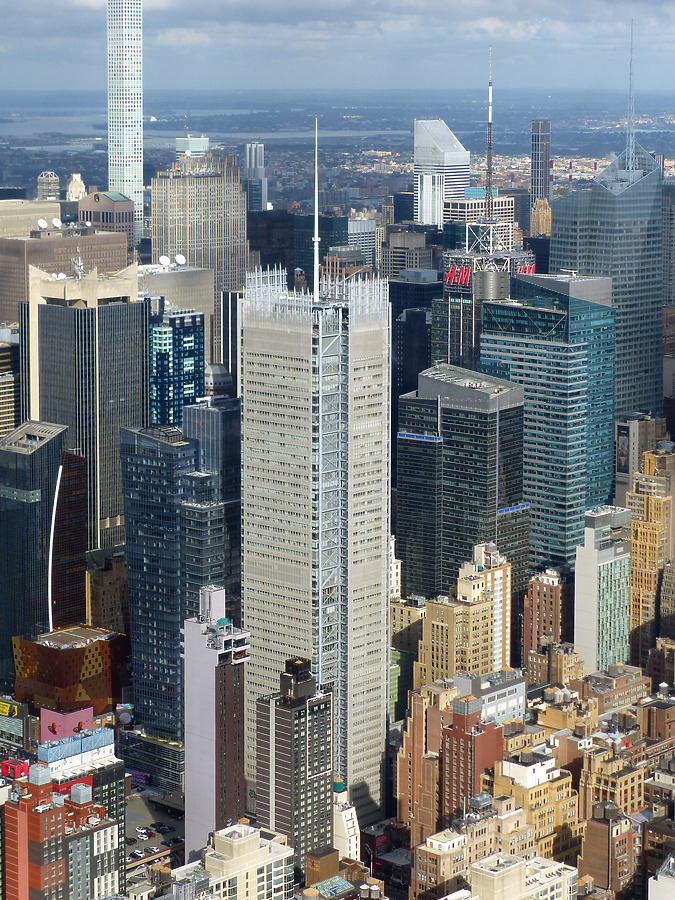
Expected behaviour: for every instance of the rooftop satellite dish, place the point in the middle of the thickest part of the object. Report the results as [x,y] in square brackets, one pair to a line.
[180,259]
[61,276]
[88,224]
[42,223]
[57,223]
[164,261]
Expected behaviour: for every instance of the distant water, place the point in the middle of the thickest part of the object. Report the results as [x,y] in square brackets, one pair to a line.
[580,122]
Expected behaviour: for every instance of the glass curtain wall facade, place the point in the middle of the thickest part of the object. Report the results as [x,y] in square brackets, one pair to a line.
[125,104]
[155,464]
[614,229]
[315,507]
[459,467]
[540,185]
[176,364]
[561,350]
[30,458]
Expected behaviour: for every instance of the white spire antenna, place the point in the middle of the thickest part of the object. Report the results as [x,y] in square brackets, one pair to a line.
[630,131]
[489,206]
[316,237]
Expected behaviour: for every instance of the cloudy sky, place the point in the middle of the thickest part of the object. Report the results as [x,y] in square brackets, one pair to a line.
[351,43]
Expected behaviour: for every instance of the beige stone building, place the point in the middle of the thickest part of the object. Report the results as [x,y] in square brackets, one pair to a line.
[607,777]
[545,793]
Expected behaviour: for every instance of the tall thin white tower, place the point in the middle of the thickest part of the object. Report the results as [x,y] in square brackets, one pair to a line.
[125,103]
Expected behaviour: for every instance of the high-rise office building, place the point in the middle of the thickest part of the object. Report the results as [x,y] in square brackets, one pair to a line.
[217,427]
[125,104]
[555,338]
[473,275]
[614,229]
[634,435]
[108,211]
[10,393]
[54,250]
[294,762]
[315,506]
[602,589]
[549,610]
[441,170]
[460,474]
[652,502]
[254,179]
[215,652]
[176,363]
[84,363]
[48,186]
[155,463]
[199,212]
[540,184]
[30,458]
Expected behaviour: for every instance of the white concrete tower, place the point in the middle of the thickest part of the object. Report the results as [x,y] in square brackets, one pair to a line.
[125,104]
[315,507]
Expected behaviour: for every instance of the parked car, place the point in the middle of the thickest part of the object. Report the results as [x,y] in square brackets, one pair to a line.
[139,854]
[130,841]
[166,843]
[154,850]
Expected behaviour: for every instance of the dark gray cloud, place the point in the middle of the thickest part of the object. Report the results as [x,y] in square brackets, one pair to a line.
[350,43]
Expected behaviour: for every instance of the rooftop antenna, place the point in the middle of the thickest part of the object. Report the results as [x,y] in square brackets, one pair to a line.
[488,180]
[630,131]
[316,237]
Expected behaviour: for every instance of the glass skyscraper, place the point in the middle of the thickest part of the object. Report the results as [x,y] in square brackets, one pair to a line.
[556,339]
[84,363]
[540,185]
[155,466]
[30,458]
[614,229]
[176,363]
[125,104]
[460,477]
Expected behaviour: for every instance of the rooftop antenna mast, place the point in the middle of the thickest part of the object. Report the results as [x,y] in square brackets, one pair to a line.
[489,210]
[630,131]
[316,237]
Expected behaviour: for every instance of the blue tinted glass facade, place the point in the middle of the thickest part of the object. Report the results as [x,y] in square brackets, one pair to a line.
[176,365]
[561,349]
[614,228]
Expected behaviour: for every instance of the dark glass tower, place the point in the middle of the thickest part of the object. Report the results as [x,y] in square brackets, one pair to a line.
[155,465]
[84,363]
[30,457]
[540,185]
[460,477]
[614,229]
[176,363]
[217,427]
[557,341]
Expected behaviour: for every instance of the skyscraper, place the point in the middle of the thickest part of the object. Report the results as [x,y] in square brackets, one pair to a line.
[84,363]
[176,363]
[614,229]
[294,766]
[125,104]
[155,463]
[214,655]
[441,170]
[254,180]
[199,212]
[602,589]
[315,506]
[557,342]
[30,458]
[540,185]
[460,471]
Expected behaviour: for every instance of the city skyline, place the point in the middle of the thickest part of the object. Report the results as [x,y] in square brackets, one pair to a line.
[257,45]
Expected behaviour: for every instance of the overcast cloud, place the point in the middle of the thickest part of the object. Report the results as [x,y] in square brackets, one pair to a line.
[349,43]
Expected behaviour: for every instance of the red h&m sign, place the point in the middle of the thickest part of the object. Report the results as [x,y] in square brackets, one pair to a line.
[458,275]
[526,270]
